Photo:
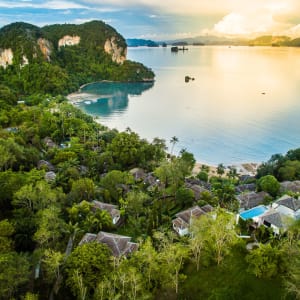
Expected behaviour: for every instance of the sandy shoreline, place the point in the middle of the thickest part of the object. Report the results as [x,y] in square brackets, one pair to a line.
[242,168]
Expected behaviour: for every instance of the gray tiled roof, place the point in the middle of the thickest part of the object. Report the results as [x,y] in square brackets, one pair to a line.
[118,244]
[87,238]
[186,215]
[273,218]
[289,202]
[110,208]
[293,186]
[251,199]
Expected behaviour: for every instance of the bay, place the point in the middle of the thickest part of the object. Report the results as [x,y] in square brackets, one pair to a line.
[243,106]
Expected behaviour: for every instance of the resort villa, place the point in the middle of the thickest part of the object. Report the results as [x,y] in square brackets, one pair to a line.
[119,245]
[275,215]
[110,208]
[184,218]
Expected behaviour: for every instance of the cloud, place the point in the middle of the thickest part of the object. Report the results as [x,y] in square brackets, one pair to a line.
[245,24]
[53,4]
[293,31]
[134,17]
[200,7]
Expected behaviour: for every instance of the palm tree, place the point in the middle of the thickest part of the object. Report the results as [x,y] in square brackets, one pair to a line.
[220,169]
[174,140]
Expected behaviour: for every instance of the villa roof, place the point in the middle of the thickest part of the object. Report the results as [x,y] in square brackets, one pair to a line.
[207,208]
[110,208]
[138,173]
[88,238]
[293,186]
[248,187]
[251,199]
[118,244]
[273,218]
[179,223]
[289,202]
[196,189]
[186,215]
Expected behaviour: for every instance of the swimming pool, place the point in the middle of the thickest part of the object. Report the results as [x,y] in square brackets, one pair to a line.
[253,212]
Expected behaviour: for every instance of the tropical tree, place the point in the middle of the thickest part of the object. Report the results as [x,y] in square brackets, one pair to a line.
[220,169]
[14,272]
[265,261]
[269,184]
[214,233]
[86,266]
[172,258]
[174,140]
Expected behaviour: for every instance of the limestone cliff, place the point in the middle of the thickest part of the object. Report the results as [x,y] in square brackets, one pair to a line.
[118,54]
[6,57]
[45,47]
[68,40]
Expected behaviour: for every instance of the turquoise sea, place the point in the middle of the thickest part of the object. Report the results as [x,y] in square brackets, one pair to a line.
[243,106]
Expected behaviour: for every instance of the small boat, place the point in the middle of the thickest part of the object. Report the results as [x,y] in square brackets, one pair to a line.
[188,78]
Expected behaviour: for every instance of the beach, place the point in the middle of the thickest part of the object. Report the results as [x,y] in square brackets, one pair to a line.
[242,168]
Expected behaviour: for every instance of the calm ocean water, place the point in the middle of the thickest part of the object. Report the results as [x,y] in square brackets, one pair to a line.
[243,106]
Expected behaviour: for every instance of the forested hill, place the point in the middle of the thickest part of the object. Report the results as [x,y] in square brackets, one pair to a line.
[57,59]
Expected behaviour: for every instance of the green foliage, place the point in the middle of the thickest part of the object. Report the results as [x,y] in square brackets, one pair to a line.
[82,189]
[283,167]
[229,281]
[113,183]
[184,197]
[91,262]
[224,190]
[49,227]
[14,272]
[56,70]
[6,232]
[89,219]
[215,234]
[202,175]
[269,184]
[265,261]
[51,263]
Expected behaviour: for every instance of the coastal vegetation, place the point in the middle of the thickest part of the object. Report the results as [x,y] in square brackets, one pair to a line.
[55,161]
[39,64]
[41,213]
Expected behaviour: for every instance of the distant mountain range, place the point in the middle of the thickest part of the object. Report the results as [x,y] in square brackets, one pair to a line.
[266,40]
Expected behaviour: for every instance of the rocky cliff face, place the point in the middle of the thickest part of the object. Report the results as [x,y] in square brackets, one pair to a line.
[68,40]
[6,57]
[45,47]
[118,54]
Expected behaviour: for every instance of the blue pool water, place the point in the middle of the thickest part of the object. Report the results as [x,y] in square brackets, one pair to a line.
[253,212]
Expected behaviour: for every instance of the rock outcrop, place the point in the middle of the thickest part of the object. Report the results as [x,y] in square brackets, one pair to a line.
[6,57]
[68,40]
[118,54]
[45,47]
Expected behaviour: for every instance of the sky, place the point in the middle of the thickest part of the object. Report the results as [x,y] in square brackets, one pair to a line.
[164,19]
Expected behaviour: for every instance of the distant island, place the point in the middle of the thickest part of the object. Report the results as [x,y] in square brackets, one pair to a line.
[141,42]
[266,40]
